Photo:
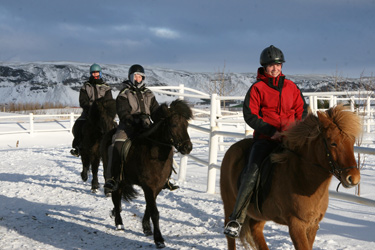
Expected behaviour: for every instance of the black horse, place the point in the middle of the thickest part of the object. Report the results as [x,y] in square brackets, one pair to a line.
[148,163]
[100,120]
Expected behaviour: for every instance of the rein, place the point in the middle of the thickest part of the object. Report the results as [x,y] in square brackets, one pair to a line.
[171,143]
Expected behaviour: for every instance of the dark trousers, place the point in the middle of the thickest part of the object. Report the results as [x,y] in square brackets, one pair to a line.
[260,150]
[114,153]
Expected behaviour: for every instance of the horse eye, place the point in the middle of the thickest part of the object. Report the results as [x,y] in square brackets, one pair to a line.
[333,144]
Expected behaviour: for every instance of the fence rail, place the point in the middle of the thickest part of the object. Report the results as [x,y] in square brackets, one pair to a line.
[215,116]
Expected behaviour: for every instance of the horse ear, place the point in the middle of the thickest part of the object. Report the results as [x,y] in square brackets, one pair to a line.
[160,113]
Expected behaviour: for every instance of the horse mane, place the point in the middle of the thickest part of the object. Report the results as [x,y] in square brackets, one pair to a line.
[304,132]
[102,106]
[177,106]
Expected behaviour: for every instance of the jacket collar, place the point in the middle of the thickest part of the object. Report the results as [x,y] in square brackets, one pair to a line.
[274,82]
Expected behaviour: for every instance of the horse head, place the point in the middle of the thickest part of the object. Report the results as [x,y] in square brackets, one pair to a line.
[175,124]
[102,114]
[340,128]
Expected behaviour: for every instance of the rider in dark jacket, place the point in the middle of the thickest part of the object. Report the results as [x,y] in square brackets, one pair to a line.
[135,105]
[91,90]
[271,105]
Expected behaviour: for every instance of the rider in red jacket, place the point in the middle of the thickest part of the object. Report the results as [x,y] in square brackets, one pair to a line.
[271,105]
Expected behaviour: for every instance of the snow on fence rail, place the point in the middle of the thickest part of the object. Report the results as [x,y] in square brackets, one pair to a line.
[359,101]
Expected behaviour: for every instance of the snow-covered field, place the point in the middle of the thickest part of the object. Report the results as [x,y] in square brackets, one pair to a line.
[45,205]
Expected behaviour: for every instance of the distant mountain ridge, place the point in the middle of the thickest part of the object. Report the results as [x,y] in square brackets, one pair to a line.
[61,81]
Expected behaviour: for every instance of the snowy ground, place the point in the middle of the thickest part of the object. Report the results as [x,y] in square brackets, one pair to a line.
[45,205]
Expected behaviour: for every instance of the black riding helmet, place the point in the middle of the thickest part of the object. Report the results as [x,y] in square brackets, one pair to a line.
[136,68]
[270,55]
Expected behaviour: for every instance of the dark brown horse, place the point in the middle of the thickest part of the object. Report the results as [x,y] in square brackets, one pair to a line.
[149,163]
[314,150]
[100,120]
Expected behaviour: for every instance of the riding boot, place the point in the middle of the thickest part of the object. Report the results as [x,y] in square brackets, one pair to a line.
[110,183]
[248,182]
[114,152]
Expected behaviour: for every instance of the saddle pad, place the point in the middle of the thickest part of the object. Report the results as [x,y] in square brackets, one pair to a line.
[125,149]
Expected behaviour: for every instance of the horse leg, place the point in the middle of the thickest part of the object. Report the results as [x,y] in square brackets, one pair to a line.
[231,242]
[146,222]
[116,200]
[94,169]
[152,210]
[256,229]
[311,233]
[298,234]
[85,167]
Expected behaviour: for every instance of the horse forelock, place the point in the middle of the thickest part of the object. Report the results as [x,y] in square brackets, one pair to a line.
[182,108]
[348,122]
[102,111]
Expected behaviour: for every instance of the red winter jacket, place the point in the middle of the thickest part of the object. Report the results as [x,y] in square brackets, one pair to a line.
[272,104]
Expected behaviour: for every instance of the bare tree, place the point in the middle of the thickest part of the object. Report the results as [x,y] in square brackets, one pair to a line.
[221,84]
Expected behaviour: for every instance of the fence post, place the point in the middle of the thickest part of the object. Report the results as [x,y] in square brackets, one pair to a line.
[31,119]
[368,114]
[313,103]
[352,103]
[71,122]
[183,168]
[181,91]
[213,147]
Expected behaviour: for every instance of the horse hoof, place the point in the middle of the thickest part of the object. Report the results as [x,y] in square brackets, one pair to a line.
[160,244]
[108,194]
[147,232]
[84,176]
[94,190]
[119,227]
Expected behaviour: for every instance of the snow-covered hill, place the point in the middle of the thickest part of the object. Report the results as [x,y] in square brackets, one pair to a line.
[59,82]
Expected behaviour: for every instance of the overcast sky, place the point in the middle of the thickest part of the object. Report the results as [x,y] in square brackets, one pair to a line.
[333,37]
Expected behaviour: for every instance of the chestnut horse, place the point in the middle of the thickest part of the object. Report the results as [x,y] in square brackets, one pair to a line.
[149,161]
[313,150]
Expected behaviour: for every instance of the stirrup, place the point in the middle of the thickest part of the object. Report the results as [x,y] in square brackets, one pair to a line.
[169,185]
[233,229]
[111,185]
[75,152]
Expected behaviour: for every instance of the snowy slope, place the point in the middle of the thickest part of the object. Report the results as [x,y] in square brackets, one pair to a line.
[60,81]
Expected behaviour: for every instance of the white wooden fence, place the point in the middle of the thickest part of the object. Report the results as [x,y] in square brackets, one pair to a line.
[362,102]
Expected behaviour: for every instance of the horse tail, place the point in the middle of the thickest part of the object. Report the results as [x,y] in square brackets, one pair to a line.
[246,237]
[128,192]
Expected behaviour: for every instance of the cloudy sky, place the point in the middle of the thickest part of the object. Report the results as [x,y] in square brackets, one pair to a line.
[333,37]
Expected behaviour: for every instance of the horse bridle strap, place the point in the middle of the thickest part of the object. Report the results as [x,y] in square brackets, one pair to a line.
[334,167]
[171,143]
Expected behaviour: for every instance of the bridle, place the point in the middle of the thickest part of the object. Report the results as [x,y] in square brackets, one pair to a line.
[335,169]
[171,143]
